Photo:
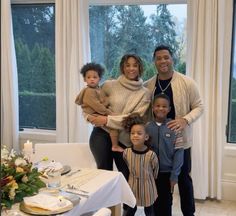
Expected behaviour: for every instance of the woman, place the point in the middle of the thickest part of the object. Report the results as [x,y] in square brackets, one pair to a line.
[126,95]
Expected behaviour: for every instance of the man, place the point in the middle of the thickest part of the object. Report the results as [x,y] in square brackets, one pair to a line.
[186,107]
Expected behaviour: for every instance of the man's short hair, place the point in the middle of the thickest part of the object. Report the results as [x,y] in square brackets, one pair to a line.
[162,47]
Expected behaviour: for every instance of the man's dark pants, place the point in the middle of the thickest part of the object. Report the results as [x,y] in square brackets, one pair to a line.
[186,186]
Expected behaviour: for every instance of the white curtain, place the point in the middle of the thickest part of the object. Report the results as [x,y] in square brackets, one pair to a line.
[72,51]
[205,45]
[9,83]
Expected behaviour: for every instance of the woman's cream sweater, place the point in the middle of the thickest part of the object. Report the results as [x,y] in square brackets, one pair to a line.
[125,97]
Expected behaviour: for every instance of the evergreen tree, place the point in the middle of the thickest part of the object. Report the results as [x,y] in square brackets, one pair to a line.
[23,57]
[34,30]
[34,23]
[232,119]
[233,87]
[102,34]
[133,31]
[43,79]
[163,28]
[149,69]
[117,30]
[96,17]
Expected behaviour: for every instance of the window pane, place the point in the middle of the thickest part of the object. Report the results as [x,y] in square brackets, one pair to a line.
[231,135]
[34,35]
[116,30]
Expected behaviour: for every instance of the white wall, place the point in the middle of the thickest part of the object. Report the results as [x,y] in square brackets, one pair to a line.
[229,173]
[37,136]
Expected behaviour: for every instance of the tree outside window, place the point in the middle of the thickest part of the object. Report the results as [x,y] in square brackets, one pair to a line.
[116,30]
[34,30]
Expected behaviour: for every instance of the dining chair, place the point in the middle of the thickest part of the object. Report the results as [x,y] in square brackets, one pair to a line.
[73,154]
[103,212]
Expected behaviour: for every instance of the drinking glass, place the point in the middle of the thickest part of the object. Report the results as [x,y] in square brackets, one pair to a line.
[54,179]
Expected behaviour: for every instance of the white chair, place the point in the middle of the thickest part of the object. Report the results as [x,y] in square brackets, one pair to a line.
[73,154]
[100,212]
[103,212]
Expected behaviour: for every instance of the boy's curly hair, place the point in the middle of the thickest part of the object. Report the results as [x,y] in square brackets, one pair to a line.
[92,66]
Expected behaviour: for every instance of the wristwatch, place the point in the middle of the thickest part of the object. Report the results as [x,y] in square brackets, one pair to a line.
[186,121]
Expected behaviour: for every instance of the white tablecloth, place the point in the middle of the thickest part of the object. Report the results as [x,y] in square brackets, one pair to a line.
[105,189]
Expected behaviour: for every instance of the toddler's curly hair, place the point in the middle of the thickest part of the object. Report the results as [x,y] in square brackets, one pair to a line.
[92,66]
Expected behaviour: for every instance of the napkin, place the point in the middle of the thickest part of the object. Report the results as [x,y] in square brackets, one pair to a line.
[47,202]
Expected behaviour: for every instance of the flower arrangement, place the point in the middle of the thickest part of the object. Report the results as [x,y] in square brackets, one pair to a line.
[18,178]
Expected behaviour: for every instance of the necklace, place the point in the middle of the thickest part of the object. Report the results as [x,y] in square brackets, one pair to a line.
[163,90]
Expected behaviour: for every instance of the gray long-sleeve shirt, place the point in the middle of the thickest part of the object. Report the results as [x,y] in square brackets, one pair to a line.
[169,148]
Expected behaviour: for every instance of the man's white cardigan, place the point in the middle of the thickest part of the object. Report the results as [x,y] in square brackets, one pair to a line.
[187,101]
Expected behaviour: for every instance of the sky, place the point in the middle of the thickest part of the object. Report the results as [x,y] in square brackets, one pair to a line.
[178,10]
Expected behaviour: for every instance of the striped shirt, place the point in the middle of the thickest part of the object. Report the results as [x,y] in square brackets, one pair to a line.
[143,167]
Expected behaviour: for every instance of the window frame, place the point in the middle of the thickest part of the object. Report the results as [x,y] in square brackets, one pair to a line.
[135,2]
[232,61]
[32,1]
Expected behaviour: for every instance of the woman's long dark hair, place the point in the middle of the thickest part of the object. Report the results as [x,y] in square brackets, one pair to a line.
[125,58]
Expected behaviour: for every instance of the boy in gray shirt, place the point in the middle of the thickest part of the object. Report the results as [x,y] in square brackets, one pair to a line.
[168,146]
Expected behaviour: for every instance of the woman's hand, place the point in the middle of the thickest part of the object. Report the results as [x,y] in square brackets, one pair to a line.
[98,120]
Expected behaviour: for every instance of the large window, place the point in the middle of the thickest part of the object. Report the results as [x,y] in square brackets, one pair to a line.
[119,29]
[114,31]
[34,35]
[231,132]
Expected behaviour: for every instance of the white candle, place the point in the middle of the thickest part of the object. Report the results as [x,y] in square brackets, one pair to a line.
[28,146]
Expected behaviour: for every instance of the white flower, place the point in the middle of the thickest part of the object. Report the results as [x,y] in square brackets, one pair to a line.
[12,154]
[25,179]
[20,162]
[4,153]
[12,194]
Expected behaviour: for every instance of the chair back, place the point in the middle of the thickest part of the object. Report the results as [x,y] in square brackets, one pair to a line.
[73,154]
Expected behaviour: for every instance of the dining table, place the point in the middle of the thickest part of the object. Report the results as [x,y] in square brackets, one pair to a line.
[89,190]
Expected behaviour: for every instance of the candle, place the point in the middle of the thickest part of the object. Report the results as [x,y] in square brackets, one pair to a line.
[28,146]
[28,150]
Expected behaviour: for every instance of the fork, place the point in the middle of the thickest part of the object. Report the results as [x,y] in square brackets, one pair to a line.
[69,186]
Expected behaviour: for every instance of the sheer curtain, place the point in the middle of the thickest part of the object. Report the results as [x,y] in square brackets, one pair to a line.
[9,83]
[206,44]
[72,51]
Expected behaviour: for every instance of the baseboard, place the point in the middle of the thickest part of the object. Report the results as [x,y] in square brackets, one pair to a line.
[228,190]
